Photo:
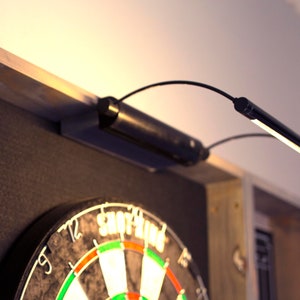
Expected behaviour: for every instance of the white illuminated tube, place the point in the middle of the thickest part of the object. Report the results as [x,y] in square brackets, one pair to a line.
[277,135]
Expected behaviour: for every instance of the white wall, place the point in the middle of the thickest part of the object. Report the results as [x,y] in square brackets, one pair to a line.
[248,48]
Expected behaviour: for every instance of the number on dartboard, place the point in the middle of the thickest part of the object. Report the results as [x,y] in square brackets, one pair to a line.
[73,226]
[44,261]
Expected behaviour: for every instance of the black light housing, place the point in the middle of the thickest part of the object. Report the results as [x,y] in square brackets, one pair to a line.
[140,129]
[127,133]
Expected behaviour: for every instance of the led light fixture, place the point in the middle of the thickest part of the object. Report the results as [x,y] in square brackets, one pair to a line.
[267,122]
[120,129]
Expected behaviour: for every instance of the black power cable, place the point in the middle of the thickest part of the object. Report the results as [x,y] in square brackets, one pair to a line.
[239,136]
[178,82]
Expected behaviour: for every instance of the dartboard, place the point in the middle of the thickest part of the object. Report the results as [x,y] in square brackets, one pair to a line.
[116,251]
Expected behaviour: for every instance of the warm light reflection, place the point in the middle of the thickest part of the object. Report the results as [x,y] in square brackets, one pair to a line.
[97,47]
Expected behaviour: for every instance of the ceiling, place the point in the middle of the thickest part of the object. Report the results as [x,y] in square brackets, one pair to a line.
[246,48]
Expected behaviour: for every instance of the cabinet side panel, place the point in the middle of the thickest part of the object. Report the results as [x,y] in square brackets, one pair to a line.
[226,240]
